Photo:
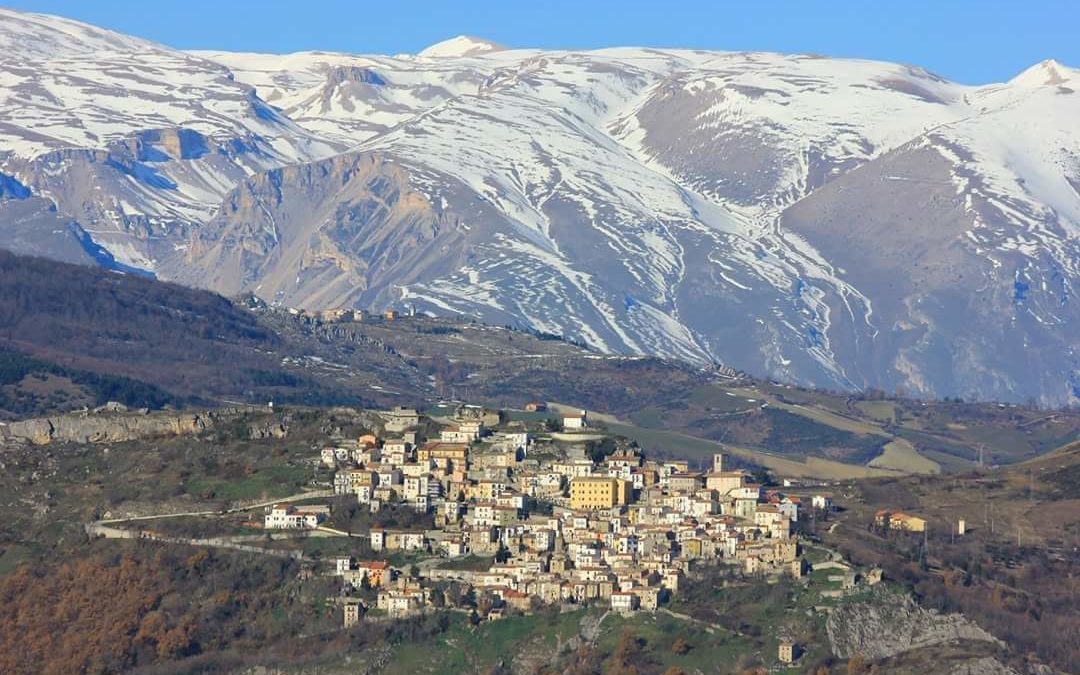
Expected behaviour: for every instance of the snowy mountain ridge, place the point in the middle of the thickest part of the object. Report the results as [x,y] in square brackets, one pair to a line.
[462,45]
[835,222]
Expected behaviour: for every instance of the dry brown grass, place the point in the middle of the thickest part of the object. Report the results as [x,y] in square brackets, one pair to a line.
[900,455]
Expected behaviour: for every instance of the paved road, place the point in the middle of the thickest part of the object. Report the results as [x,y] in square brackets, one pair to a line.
[103,528]
[158,516]
[313,494]
[234,543]
[708,626]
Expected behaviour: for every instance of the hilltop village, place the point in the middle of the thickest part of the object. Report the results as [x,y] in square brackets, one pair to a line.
[461,523]
[563,513]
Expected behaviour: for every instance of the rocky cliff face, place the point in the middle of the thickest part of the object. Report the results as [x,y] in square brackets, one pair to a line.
[887,624]
[345,231]
[983,666]
[105,427]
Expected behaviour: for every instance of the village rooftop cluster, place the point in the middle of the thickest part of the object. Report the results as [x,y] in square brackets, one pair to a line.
[561,520]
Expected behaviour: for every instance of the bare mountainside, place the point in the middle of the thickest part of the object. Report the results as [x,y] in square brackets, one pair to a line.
[831,222]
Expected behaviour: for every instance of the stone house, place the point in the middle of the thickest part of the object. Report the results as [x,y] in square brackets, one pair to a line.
[400,418]
[648,598]
[624,602]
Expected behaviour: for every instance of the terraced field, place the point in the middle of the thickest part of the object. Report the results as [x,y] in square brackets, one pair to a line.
[820,434]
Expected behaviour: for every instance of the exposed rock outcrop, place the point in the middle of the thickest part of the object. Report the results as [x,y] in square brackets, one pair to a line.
[105,427]
[271,428]
[984,666]
[887,624]
[341,232]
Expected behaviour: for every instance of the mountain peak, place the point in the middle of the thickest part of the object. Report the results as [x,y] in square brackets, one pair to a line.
[26,35]
[1045,73]
[462,45]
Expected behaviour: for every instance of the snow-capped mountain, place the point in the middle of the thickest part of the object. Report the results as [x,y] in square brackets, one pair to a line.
[834,222]
[134,141]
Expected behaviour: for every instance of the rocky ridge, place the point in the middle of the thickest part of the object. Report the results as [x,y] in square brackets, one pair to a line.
[888,624]
[111,426]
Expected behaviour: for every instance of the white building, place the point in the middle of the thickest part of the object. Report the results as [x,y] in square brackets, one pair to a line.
[513,441]
[456,435]
[400,603]
[288,517]
[576,420]
[331,456]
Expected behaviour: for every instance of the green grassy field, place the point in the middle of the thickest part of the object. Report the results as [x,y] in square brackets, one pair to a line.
[267,483]
[709,647]
[881,411]
[529,642]
[467,649]
[817,408]
[652,416]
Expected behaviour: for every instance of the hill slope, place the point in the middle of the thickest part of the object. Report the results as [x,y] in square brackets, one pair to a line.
[185,345]
[1012,570]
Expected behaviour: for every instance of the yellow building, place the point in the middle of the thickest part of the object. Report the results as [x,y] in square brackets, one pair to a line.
[898,520]
[787,651]
[693,548]
[598,492]
[454,452]
[903,521]
[486,490]
[358,477]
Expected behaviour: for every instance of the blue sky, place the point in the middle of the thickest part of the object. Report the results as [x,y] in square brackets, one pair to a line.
[970,41]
